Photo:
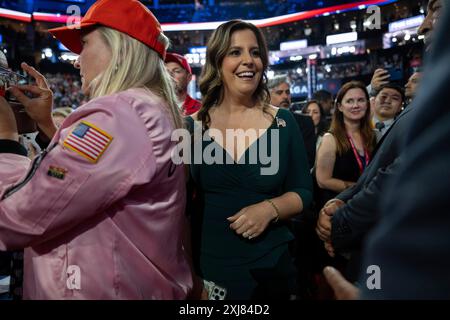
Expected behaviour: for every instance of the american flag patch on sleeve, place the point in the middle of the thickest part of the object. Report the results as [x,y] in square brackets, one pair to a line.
[88,141]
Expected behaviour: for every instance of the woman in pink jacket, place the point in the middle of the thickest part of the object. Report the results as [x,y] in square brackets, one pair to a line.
[101,210]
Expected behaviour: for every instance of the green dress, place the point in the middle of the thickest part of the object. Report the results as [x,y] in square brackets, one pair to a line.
[229,260]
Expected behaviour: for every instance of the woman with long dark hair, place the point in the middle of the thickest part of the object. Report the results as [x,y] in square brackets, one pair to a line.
[244,244]
[314,109]
[346,149]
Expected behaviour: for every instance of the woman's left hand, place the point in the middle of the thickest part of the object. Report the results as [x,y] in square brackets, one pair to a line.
[8,126]
[251,221]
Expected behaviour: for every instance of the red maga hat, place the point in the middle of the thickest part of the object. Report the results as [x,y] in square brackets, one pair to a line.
[175,57]
[128,16]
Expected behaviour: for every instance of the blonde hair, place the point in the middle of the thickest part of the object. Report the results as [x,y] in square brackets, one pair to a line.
[135,65]
[63,111]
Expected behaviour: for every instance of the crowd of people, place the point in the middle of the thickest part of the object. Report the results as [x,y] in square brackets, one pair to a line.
[66,90]
[236,196]
[23,38]
[344,70]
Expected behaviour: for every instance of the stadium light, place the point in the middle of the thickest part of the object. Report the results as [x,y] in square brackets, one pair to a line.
[342,37]
[291,45]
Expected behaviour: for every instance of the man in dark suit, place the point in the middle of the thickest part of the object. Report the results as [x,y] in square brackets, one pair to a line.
[280,96]
[410,245]
[418,227]
[345,221]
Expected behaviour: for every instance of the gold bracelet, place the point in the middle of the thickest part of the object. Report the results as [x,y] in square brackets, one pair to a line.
[277,217]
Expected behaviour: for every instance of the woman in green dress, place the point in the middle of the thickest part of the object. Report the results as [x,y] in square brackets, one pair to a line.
[254,173]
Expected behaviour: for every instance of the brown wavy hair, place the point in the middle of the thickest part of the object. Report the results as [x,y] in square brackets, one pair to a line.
[322,126]
[210,83]
[337,127]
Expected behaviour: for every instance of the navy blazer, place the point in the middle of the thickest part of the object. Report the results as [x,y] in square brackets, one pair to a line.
[352,222]
[411,242]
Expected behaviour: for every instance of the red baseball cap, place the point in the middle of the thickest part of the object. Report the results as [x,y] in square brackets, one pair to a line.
[128,16]
[182,61]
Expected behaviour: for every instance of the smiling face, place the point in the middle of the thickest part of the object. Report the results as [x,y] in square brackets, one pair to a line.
[388,104]
[354,104]
[94,58]
[242,66]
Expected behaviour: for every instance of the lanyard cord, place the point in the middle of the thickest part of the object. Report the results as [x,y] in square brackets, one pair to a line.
[357,157]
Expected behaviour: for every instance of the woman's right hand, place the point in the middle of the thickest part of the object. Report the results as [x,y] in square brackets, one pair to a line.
[379,79]
[251,221]
[39,108]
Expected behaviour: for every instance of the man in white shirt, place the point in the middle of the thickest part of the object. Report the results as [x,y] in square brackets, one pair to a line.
[388,104]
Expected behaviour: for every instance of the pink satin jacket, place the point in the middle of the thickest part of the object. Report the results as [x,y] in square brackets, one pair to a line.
[101,212]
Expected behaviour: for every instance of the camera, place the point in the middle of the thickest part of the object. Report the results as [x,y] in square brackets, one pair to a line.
[7,78]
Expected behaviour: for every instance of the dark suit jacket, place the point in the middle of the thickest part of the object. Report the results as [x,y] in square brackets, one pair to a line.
[352,222]
[410,172]
[411,243]
[309,136]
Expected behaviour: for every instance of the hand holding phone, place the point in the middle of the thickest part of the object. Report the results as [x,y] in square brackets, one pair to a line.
[379,79]
[215,292]
[8,126]
[8,78]
[37,100]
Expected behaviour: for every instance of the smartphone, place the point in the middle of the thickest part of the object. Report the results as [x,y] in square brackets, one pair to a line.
[8,78]
[395,74]
[215,292]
